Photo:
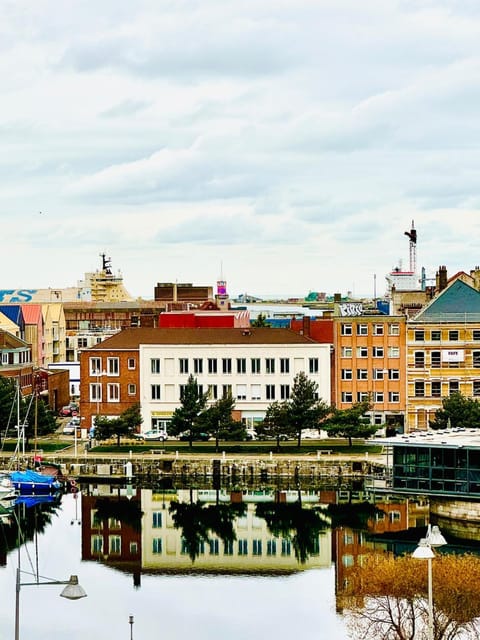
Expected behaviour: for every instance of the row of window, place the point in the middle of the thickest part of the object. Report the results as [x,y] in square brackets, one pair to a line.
[375,374]
[242,392]
[227,366]
[377,352]
[436,362]
[241,547]
[377,329]
[421,388]
[436,335]
[376,396]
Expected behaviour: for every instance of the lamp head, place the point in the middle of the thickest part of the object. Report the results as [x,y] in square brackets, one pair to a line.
[423,551]
[73,591]
[435,537]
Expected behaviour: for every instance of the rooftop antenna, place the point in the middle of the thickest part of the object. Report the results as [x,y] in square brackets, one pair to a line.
[412,234]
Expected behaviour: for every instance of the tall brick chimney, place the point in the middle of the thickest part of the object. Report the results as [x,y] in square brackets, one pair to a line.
[441,278]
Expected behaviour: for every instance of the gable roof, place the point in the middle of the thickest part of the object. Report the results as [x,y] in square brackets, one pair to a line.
[459,302]
[132,338]
[32,313]
[9,341]
[14,313]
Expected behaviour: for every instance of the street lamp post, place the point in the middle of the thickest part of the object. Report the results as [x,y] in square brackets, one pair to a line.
[72,591]
[424,551]
[130,622]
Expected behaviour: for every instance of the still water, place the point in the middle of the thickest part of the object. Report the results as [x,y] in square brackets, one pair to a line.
[194,562]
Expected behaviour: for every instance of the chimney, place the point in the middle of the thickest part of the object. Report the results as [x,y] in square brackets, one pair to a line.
[306,326]
[441,278]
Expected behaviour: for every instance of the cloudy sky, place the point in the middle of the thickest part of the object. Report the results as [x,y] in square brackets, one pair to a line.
[289,143]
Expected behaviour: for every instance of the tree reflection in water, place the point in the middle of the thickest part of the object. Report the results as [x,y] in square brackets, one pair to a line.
[199,521]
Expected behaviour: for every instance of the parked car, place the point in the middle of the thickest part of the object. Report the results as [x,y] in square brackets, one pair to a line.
[69,410]
[151,435]
[69,429]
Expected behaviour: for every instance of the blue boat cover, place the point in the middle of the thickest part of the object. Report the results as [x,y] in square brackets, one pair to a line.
[31,476]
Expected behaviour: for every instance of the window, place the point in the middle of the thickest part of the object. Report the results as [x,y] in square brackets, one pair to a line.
[155,365]
[436,335]
[378,352]
[346,352]
[214,547]
[95,366]
[436,359]
[96,542]
[346,329]
[212,391]
[95,392]
[394,374]
[419,357]
[226,365]
[284,365]
[255,365]
[133,548]
[82,343]
[393,396]
[182,388]
[284,391]
[419,389]
[271,547]
[313,365]
[394,329]
[362,396]
[436,387]
[378,396]
[476,388]
[114,544]
[242,547]
[156,545]
[419,335]
[132,389]
[113,392]
[378,329]
[226,390]
[347,374]
[257,547]
[347,396]
[241,391]
[453,335]
[476,359]
[453,387]
[362,329]
[362,374]
[212,365]
[131,364]
[256,391]
[286,547]
[183,365]
[197,365]
[241,365]
[378,374]
[476,334]
[362,352]
[393,352]
[228,548]
[112,366]
[270,391]
[156,519]
[270,365]
[155,391]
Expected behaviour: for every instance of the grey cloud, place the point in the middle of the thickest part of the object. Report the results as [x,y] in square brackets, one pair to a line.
[125,108]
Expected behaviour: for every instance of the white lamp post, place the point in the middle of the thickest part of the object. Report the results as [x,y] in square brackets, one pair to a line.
[424,551]
[72,591]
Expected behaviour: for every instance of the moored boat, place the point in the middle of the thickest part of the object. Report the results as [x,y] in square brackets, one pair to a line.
[32,483]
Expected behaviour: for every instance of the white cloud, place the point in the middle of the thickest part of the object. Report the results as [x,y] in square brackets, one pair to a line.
[295,142]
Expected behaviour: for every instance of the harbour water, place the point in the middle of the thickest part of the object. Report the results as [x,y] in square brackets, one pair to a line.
[210,563]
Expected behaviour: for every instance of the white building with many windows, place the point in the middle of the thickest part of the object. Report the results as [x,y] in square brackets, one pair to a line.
[152,365]
[257,366]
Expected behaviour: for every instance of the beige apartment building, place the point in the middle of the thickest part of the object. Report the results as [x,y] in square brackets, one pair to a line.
[443,352]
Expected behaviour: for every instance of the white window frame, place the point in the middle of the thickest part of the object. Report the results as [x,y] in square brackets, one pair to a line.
[131,364]
[362,374]
[155,366]
[241,391]
[256,391]
[347,397]
[347,374]
[394,396]
[393,352]
[113,392]
[95,392]
[362,352]
[378,352]
[346,352]
[156,392]
[113,366]
[378,330]
[346,329]
[394,329]
[362,329]
[95,366]
[132,389]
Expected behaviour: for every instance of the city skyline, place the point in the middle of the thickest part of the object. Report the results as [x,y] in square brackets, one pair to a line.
[286,147]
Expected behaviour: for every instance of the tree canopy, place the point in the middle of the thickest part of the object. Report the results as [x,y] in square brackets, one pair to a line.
[457,411]
[185,418]
[305,410]
[350,423]
[217,420]
[386,597]
[124,425]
